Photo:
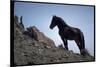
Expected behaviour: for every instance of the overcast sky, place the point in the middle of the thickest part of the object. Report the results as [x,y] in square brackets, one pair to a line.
[40,15]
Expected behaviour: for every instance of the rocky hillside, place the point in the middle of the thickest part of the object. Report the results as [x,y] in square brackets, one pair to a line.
[32,47]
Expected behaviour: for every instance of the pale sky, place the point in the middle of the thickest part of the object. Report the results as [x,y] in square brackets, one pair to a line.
[40,15]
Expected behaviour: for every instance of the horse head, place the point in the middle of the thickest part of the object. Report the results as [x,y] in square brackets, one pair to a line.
[53,22]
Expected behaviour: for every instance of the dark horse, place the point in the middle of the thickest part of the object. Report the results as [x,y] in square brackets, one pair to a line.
[67,32]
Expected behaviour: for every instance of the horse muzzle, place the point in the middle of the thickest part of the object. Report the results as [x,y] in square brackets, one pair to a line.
[51,27]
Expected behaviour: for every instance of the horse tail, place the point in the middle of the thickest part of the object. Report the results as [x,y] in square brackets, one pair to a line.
[83,41]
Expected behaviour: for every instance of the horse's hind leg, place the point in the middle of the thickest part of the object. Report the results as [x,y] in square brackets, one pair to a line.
[81,47]
[82,43]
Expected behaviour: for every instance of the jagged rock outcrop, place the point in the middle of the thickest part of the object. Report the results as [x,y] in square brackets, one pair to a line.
[32,47]
[39,36]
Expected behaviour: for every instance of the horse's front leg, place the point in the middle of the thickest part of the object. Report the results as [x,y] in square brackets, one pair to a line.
[65,42]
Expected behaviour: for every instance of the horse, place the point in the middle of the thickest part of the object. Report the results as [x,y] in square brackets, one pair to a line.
[67,32]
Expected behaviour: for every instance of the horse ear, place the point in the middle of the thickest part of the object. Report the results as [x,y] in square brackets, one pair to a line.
[54,16]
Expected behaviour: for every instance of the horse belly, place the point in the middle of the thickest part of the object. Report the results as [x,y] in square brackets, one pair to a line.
[70,35]
[67,36]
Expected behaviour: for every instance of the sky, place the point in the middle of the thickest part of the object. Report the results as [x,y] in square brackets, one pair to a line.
[40,15]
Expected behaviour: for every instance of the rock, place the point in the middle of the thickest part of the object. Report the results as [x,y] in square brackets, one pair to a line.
[21,22]
[32,47]
[35,33]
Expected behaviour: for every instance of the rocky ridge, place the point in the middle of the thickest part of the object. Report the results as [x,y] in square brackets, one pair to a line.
[32,47]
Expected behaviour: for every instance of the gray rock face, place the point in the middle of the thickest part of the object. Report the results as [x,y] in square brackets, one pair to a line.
[41,37]
[32,47]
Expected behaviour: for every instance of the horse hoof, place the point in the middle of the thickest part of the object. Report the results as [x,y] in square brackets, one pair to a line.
[83,52]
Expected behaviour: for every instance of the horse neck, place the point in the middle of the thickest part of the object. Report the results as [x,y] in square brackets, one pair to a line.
[61,25]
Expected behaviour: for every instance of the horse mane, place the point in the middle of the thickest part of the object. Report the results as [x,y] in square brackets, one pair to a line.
[62,21]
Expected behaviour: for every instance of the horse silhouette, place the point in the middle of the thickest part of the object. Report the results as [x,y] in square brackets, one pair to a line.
[67,32]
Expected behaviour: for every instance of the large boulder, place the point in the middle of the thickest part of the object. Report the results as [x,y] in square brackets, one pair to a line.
[35,33]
